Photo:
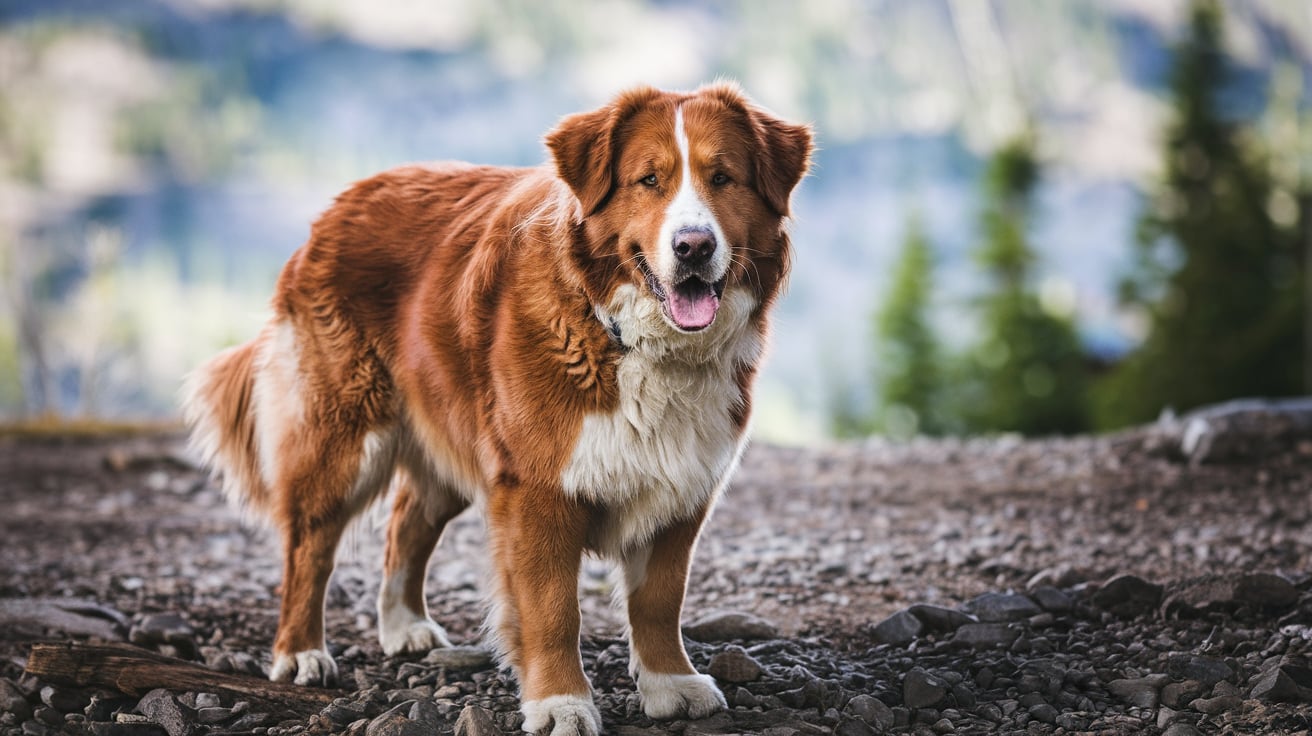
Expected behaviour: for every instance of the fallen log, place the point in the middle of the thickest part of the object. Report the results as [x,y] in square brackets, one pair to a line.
[135,671]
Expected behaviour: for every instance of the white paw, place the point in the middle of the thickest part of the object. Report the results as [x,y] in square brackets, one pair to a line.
[679,696]
[419,635]
[567,715]
[311,667]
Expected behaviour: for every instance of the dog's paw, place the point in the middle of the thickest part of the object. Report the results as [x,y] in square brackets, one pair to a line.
[679,696]
[565,715]
[311,667]
[414,636]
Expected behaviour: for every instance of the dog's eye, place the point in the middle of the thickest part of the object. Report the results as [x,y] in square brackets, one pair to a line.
[648,180]
[720,179]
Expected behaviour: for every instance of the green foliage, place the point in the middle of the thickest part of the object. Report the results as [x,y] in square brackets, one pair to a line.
[1216,279]
[1026,373]
[907,353]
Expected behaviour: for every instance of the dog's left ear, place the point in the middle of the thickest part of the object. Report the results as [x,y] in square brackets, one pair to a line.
[783,155]
[583,147]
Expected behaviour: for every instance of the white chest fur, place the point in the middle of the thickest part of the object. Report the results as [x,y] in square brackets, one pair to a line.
[672,443]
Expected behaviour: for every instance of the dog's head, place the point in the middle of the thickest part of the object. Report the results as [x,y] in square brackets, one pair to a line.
[682,195]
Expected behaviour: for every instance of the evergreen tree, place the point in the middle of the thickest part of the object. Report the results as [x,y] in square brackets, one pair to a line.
[906,351]
[1218,280]
[1026,374]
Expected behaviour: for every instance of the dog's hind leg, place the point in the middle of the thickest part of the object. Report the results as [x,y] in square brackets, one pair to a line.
[327,479]
[418,518]
[300,651]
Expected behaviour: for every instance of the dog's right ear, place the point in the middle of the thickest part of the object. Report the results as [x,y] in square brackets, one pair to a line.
[583,146]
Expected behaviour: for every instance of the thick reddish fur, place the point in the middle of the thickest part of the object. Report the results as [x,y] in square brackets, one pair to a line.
[449,309]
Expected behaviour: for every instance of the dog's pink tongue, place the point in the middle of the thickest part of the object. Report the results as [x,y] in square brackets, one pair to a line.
[693,304]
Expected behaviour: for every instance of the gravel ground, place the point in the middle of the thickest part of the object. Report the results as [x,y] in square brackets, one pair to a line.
[1155,581]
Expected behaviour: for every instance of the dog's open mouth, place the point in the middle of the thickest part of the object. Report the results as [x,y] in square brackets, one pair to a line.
[690,304]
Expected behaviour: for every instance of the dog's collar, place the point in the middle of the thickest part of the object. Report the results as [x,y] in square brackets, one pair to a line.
[612,326]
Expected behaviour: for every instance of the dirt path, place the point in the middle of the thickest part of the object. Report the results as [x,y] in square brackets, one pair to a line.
[829,545]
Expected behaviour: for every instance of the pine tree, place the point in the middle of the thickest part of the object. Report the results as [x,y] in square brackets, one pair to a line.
[1218,281]
[906,350]
[1026,373]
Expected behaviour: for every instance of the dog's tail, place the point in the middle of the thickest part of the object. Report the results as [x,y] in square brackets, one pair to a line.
[219,405]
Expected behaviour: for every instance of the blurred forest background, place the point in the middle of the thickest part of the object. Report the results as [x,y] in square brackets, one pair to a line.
[1025,215]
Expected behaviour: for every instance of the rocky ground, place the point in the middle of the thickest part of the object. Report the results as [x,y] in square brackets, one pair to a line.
[1156,581]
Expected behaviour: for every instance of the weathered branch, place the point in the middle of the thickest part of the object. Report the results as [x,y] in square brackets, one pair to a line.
[135,671]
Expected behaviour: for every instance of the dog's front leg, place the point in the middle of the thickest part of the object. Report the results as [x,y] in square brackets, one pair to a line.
[656,577]
[537,535]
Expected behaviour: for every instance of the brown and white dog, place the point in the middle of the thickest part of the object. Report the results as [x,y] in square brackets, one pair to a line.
[571,348]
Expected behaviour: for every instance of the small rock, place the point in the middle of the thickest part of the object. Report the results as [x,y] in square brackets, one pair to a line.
[1179,694]
[343,711]
[65,701]
[1072,721]
[743,698]
[1042,621]
[985,635]
[734,664]
[1002,607]
[214,714]
[1207,670]
[161,707]
[1284,683]
[1219,704]
[1127,596]
[1229,592]
[964,696]
[102,707]
[899,630]
[943,725]
[448,692]
[720,723]
[1043,712]
[425,713]
[727,625]
[1053,600]
[922,690]
[393,723]
[169,629]
[250,721]
[471,659]
[853,727]
[1141,692]
[48,716]
[476,721]
[872,711]
[1181,729]
[1060,576]
[938,618]
[207,700]
[12,700]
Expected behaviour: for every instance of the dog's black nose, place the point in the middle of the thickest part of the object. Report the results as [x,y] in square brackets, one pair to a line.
[694,245]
